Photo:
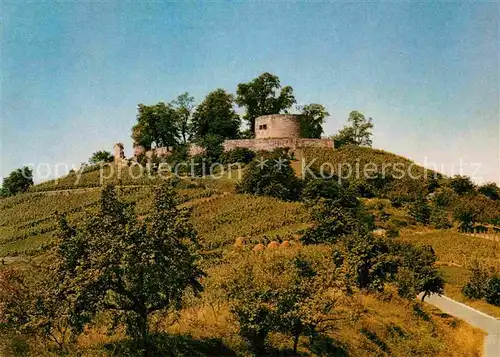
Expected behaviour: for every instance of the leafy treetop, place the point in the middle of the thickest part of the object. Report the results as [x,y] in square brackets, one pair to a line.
[262,96]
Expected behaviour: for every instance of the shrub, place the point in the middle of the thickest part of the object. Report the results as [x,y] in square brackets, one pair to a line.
[462,184]
[420,210]
[475,288]
[269,177]
[439,218]
[492,293]
[490,190]
[237,155]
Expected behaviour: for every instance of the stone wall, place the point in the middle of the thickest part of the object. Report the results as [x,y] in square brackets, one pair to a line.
[277,126]
[271,144]
[118,153]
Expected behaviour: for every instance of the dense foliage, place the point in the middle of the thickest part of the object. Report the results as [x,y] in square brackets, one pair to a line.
[18,181]
[312,119]
[156,124]
[271,176]
[263,95]
[215,116]
[100,157]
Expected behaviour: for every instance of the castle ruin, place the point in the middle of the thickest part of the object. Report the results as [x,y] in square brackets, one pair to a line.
[271,132]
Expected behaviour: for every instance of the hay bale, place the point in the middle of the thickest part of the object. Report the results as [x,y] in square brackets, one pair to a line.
[273,245]
[240,241]
[381,233]
[259,247]
[285,244]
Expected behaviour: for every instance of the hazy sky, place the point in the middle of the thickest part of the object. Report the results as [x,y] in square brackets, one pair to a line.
[427,73]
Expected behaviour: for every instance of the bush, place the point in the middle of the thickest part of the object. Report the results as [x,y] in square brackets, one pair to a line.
[492,292]
[270,177]
[439,218]
[420,210]
[237,155]
[337,211]
[462,184]
[475,288]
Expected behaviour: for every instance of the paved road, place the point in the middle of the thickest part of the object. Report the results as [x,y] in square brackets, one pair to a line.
[478,319]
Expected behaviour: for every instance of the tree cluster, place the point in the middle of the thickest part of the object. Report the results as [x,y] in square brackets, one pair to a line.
[215,119]
[112,262]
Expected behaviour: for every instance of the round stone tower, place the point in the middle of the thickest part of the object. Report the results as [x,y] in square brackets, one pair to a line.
[277,126]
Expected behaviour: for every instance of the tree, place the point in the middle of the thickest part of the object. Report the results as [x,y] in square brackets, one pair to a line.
[33,301]
[367,261]
[264,95]
[416,270]
[490,190]
[129,268]
[312,119]
[18,181]
[284,291]
[356,132]
[215,116]
[184,105]
[462,184]
[100,156]
[156,124]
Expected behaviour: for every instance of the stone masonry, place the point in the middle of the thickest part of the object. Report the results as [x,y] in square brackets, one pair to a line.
[271,132]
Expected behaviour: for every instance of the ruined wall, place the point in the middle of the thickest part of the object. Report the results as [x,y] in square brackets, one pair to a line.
[118,153]
[271,144]
[277,126]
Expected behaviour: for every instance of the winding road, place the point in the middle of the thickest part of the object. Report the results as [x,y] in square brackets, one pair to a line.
[478,319]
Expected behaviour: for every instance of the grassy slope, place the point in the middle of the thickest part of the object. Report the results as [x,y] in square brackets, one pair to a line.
[455,251]
[26,224]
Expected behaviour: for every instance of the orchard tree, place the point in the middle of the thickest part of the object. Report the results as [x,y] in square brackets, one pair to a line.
[184,104]
[100,156]
[416,270]
[264,95]
[117,263]
[215,116]
[356,132]
[156,124]
[18,181]
[312,119]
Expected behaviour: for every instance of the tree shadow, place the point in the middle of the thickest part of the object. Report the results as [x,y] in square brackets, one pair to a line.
[326,346]
[163,345]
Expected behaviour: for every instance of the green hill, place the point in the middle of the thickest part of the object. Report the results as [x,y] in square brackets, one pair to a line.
[387,324]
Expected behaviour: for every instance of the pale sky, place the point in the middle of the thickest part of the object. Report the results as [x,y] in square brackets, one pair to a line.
[427,73]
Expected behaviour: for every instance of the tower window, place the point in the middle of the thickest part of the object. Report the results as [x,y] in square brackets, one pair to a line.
[263,127]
